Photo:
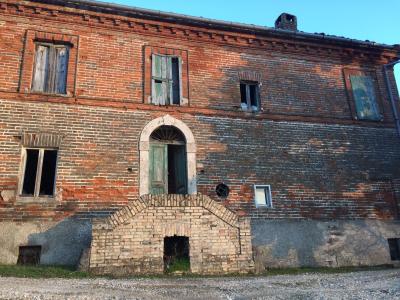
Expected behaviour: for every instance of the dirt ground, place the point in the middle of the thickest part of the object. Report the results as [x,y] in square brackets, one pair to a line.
[358,285]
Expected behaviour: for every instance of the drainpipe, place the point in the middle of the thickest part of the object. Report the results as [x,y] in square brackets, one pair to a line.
[386,68]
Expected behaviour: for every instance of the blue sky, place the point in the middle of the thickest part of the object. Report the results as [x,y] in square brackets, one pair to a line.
[361,19]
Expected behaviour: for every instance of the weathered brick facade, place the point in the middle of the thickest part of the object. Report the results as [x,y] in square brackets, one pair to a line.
[321,162]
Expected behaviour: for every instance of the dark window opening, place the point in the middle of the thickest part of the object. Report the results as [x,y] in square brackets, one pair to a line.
[222,190]
[39,173]
[176,254]
[249,93]
[253,96]
[29,255]
[176,97]
[48,173]
[243,94]
[394,248]
[31,165]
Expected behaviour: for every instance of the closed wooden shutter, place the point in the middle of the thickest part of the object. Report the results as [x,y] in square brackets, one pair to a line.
[61,70]
[365,97]
[40,77]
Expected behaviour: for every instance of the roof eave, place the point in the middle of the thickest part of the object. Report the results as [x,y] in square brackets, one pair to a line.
[128,11]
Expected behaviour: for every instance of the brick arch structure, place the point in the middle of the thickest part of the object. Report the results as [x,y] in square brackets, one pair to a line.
[131,240]
[144,147]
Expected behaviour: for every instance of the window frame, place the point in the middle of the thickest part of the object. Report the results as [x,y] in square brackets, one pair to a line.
[350,95]
[50,81]
[168,81]
[183,55]
[249,107]
[28,59]
[268,196]
[36,195]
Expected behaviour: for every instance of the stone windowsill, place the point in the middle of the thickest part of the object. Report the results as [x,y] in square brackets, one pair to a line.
[30,199]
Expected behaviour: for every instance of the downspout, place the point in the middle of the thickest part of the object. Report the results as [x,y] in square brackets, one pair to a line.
[386,68]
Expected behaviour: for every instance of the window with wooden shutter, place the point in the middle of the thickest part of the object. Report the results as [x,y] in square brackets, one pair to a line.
[166,86]
[364,97]
[51,68]
[363,94]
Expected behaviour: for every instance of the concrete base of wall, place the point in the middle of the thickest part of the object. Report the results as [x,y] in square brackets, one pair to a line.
[286,244]
[62,243]
[276,243]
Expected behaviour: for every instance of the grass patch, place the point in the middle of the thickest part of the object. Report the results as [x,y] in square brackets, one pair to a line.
[179,265]
[40,272]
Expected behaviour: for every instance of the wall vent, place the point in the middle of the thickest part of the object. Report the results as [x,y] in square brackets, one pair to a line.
[29,255]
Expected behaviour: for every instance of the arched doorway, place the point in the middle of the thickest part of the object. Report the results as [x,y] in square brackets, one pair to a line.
[146,140]
[167,161]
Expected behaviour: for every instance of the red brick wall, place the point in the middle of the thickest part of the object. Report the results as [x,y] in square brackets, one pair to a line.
[321,163]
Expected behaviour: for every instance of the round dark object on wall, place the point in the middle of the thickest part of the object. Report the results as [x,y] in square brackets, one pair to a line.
[222,190]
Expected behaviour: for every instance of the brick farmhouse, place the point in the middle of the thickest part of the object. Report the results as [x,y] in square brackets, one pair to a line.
[138,137]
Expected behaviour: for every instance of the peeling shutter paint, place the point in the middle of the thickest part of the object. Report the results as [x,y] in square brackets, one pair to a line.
[158,169]
[365,97]
[61,70]
[165,80]
[40,76]
[51,67]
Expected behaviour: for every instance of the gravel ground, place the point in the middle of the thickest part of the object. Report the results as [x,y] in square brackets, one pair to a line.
[358,285]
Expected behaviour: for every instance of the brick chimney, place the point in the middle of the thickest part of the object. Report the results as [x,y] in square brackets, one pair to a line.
[286,22]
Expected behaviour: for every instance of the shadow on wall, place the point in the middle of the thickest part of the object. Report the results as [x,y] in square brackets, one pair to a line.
[294,243]
[305,163]
[286,243]
[63,244]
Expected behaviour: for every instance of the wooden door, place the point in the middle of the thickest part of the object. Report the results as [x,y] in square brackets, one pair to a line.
[158,172]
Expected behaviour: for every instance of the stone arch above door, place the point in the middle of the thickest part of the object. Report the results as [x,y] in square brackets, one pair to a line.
[144,147]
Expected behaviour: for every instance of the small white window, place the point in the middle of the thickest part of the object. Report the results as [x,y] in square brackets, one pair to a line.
[263,196]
